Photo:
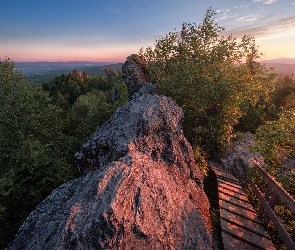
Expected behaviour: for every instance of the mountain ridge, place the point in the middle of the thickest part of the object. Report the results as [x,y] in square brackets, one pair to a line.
[281,60]
[282,68]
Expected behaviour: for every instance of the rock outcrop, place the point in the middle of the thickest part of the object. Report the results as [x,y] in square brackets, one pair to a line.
[239,157]
[135,73]
[110,73]
[146,193]
[78,73]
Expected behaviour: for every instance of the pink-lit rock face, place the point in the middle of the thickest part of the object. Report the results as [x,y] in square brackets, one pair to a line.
[110,73]
[135,73]
[147,192]
[78,73]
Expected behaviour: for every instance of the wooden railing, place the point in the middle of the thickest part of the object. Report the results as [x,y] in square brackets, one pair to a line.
[268,202]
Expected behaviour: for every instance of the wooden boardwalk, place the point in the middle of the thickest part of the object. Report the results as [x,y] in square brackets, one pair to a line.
[241,227]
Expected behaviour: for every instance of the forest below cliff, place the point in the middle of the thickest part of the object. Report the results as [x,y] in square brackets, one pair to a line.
[40,72]
[218,81]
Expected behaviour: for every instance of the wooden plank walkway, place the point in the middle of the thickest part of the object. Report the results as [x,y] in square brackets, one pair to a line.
[241,227]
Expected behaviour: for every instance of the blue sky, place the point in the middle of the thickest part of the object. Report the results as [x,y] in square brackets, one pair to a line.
[100,30]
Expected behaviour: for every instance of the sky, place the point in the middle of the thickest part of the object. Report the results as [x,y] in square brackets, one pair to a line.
[111,30]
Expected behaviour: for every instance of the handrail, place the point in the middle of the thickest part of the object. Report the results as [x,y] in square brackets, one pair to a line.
[267,203]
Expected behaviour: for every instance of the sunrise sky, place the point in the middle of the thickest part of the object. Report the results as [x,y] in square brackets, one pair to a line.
[100,30]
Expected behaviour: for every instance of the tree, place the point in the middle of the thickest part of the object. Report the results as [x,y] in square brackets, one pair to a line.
[66,89]
[88,112]
[276,142]
[209,76]
[34,151]
[284,92]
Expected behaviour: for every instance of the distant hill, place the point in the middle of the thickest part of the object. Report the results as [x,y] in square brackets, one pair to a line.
[281,65]
[42,66]
[282,60]
[40,72]
[282,68]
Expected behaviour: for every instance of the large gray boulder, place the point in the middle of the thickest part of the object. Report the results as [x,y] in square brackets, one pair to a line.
[141,188]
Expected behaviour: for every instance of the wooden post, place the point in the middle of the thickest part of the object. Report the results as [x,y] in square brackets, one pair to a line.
[273,200]
[267,206]
[266,196]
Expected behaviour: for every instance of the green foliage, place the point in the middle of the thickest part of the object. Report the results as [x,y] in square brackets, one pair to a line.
[281,209]
[200,160]
[254,116]
[66,89]
[205,74]
[276,141]
[45,76]
[88,112]
[284,92]
[86,102]
[33,149]
[281,97]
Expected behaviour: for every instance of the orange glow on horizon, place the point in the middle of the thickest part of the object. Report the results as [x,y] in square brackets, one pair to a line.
[69,53]
[270,47]
[66,58]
